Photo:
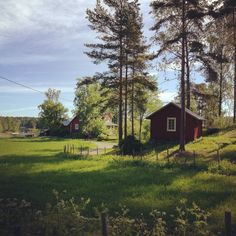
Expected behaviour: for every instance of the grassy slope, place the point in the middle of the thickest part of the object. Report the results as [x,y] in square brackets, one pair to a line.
[31,168]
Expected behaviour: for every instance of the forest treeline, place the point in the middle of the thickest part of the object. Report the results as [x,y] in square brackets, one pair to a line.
[191,36]
[17,124]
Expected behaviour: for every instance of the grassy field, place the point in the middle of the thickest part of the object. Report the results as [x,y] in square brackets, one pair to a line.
[32,168]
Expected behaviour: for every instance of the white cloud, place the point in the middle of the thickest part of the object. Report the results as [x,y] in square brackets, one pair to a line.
[28,59]
[22,18]
[19,109]
[167,96]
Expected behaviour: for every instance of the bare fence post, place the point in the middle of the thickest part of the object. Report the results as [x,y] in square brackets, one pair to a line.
[168,154]
[81,150]
[228,223]
[64,148]
[104,224]
[218,156]
[141,152]
[156,155]
[88,151]
[194,158]
[133,153]
[105,150]
[97,150]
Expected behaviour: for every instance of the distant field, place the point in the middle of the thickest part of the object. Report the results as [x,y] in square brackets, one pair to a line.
[31,168]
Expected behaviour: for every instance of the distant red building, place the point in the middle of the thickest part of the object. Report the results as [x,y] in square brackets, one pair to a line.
[71,126]
[165,124]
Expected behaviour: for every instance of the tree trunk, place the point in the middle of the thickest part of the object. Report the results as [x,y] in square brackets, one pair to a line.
[120,92]
[221,83]
[126,95]
[188,92]
[132,103]
[140,126]
[183,115]
[234,23]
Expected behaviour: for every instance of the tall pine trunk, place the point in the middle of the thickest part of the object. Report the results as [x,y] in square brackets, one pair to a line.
[188,92]
[132,102]
[120,92]
[126,96]
[183,115]
[221,84]
[234,25]
[140,127]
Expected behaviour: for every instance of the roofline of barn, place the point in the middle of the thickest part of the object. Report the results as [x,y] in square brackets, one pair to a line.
[178,106]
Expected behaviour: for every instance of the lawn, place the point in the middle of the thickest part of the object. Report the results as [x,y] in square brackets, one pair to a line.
[31,168]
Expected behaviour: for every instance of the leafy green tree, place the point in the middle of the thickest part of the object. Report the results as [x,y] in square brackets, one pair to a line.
[52,112]
[89,108]
[145,101]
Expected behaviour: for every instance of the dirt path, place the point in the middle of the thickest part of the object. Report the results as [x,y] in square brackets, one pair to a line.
[107,145]
[101,147]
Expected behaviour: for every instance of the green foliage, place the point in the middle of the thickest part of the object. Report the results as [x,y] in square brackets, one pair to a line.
[66,217]
[191,220]
[131,146]
[224,168]
[88,107]
[52,112]
[19,124]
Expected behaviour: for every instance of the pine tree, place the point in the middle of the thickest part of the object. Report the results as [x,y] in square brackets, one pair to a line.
[112,29]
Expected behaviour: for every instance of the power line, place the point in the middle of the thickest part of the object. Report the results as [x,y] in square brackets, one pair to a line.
[28,87]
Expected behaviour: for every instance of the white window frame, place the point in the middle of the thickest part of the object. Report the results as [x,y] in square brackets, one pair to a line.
[168,119]
[76,126]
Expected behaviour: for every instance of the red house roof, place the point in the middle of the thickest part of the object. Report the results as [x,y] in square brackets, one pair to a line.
[67,122]
[178,106]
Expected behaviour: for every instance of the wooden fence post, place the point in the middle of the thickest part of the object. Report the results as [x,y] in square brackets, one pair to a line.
[104,224]
[88,151]
[228,223]
[157,155]
[97,150]
[64,148]
[81,150]
[194,158]
[168,154]
[218,156]
[105,150]
[141,152]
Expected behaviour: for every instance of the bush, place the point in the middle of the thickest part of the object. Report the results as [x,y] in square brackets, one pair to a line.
[211,131]
[65,217]
[224,168]
[131,145]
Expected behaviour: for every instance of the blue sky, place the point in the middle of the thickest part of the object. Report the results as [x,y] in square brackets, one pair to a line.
[42,46]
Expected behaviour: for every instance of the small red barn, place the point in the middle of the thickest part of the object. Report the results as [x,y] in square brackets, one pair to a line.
[71,126]
[165,124]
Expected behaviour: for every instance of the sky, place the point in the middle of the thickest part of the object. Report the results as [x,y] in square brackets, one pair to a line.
[42,46]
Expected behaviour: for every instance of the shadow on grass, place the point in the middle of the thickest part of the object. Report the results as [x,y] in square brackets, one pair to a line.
[138,184]
[32,159]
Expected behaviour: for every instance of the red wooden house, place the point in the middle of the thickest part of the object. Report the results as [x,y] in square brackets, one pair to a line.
[71,126]
[165,124]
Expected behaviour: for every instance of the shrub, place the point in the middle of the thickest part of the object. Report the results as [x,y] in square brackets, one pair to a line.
[131,145]
[211,131]
[65,217]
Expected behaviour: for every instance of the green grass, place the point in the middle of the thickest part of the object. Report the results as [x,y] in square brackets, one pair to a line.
[32,168]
